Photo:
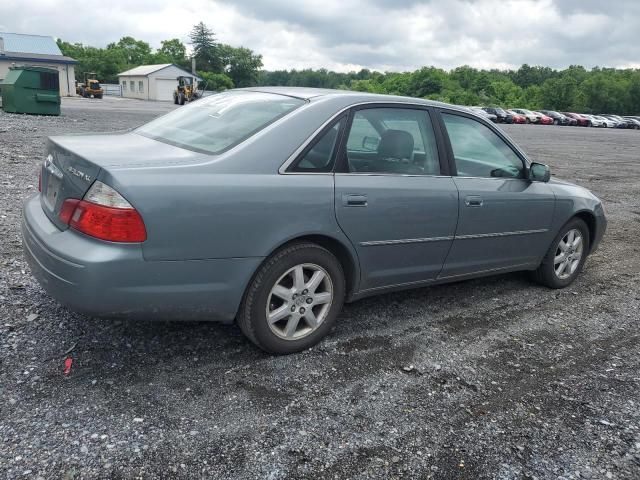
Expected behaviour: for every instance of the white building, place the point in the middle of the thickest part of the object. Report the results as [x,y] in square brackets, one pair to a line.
[152,82]
[35,50]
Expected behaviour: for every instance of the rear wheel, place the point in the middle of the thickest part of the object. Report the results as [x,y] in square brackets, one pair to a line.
[566,256]
[293,300]
[181,99]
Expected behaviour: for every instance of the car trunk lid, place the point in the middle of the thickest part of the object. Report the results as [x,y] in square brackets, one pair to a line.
[64,175]
[74,162]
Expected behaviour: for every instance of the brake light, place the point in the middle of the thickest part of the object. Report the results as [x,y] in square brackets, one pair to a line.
[104,214]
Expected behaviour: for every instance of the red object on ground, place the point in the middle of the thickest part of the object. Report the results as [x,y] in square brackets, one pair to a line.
[67,365]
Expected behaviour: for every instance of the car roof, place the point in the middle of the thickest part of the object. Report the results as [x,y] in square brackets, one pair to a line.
[349,96]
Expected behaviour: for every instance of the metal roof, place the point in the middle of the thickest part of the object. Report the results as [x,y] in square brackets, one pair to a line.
[35,57]
[20,43]
[144,70]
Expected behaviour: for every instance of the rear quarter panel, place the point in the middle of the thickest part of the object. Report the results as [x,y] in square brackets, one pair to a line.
[204,215]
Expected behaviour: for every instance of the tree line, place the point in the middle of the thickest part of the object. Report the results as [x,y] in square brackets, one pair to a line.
[222,66]
[599,90]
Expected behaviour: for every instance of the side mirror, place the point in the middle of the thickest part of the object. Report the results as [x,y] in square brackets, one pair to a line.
[370,143]
[539,172]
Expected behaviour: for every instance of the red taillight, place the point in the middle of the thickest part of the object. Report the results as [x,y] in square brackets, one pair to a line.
[108,223]
[105,214]
[68,207]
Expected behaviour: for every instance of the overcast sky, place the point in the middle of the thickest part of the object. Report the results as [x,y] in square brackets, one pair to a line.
[348,35]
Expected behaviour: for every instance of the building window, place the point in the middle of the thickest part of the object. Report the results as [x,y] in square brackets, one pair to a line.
[124,86]
[132,86]
[141,86]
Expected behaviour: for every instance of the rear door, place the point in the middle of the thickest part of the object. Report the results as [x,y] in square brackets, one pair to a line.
[394,198]
[504,218]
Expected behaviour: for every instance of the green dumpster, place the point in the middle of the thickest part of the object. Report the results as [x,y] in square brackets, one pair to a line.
[34,90]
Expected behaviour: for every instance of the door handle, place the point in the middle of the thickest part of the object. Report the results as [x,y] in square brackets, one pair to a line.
[352,200]
[473,201]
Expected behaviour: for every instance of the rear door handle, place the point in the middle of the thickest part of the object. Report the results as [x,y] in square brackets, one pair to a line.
[353,200]
[473,201]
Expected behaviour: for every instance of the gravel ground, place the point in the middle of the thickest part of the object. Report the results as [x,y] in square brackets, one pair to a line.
[491,378]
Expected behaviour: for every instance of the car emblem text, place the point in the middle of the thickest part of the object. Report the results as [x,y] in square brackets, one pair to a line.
[78,173]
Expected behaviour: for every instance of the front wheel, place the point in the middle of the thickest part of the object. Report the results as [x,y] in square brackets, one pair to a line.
[566,256]
[293,300]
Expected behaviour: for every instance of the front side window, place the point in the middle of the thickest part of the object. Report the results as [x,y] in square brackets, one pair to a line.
[321,155]
[478,151]
[392,141]
[219,122]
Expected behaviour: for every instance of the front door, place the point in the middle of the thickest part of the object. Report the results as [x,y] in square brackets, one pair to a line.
[393,199]
[504,218]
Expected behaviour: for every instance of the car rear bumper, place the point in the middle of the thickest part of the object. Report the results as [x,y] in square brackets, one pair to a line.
[106,279]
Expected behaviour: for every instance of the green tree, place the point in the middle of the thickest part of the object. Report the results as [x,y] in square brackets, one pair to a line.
[136,51]
[205,49]
[427,81]
[240,64]
[215,81]
[559,93]
[175,51]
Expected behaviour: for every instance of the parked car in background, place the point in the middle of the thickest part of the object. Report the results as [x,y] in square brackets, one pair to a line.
[635,122]
[558,118]
[530,116]
[502,115]
[352,194]
[595,120]
[607,122]
[544,119]
[580,119]
[628,122]
[622,123]
[516,117]
[480,111]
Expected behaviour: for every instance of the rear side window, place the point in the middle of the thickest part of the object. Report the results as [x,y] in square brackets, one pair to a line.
[218,123]
[320,157]
[392,141]
[478,151]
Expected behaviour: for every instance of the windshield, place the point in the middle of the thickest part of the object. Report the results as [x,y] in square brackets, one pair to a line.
[219,122]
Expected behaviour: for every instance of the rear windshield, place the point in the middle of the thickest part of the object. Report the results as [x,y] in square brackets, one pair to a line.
[219,122]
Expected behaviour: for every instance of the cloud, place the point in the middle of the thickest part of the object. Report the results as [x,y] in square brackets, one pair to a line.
[351,34]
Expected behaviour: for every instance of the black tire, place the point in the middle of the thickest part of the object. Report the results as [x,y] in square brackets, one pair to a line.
[528,121]
[181,99]
[175,99]
[252,317]
[98,96]
[545,274]
[555,122]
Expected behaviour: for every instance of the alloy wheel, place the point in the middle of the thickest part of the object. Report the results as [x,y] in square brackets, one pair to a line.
[568,254]
[299,301]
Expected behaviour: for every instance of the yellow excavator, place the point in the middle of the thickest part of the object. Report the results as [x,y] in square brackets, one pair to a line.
[90,88]
[186,91]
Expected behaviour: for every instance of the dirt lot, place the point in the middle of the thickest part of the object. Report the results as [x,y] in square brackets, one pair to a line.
[493,378]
